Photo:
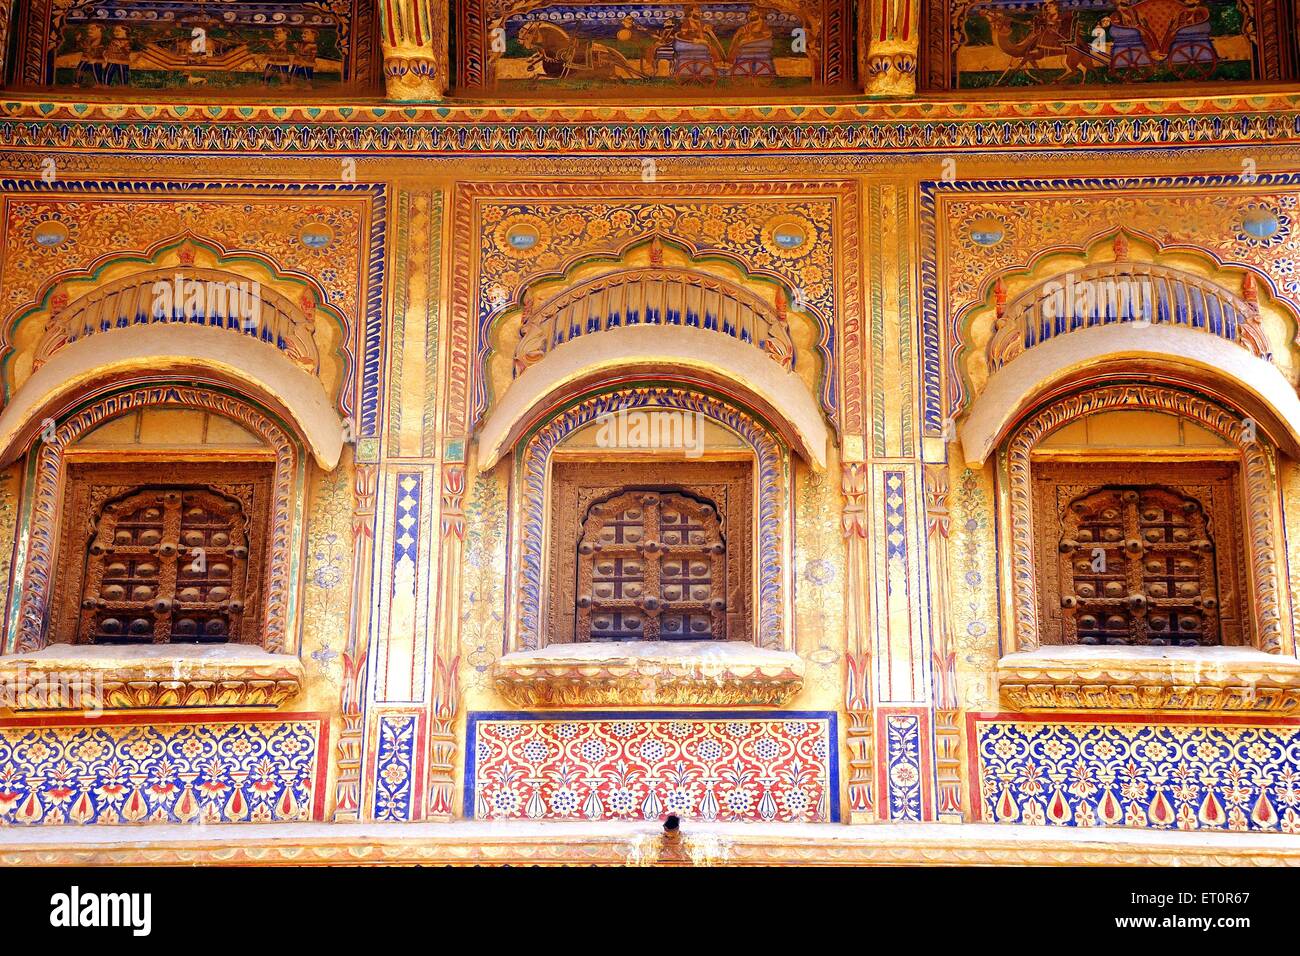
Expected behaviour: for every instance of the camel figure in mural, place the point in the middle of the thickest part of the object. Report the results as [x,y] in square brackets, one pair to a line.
[1049,35]
[559,55]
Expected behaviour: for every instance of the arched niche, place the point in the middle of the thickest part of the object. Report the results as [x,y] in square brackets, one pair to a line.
[693,292]
[1143,429]
[248,430]
[1119,279]
[192,283]
[743,434]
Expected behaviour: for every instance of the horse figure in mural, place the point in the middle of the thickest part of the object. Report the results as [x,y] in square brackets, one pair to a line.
[1142,35]
[558,55]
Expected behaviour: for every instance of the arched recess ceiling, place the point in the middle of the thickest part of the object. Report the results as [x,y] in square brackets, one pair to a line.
[496,304]
[1127,352]
[121,290]
[174,351]
[687,355]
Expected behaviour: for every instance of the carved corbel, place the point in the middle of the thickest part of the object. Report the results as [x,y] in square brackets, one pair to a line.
[414,36]
[889,42]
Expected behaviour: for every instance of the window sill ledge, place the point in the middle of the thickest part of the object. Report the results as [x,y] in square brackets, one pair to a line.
[94,677]
[663,673]
[1202,679]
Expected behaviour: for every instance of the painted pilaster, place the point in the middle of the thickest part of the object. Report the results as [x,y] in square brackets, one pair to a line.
[947,707]
[351,735]
[859,735]
[446,665]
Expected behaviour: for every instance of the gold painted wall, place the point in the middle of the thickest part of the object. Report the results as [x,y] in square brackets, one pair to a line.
[405,577]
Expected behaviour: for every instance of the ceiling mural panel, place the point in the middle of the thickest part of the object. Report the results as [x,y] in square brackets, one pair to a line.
[1101,42]
[726,46]
[198,46]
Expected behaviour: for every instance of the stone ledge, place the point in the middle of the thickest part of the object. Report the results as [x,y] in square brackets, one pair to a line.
[478,843]
[108,677]
[1197,679]
[699,673]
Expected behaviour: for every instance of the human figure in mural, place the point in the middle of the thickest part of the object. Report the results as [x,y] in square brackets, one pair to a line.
[304,57]
[695,30]
[751,46]
[1051,33]
[279,58]
[91,65]
[117,59]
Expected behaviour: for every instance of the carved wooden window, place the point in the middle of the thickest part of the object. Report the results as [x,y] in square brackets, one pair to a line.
[651,566]
[163,562]
[1128,563]
[727,486]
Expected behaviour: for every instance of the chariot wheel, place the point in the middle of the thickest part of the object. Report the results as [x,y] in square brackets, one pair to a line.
[1131,64]
[1196,61]
[697,71]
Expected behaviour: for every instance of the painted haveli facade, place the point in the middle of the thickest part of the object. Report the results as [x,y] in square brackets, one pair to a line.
[427,424]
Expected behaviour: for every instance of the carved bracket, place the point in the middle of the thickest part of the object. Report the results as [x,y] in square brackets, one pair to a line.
[890,40]
[414,34]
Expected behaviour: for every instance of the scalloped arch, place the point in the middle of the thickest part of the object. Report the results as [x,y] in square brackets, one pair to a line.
[148,260]
[1033,269]
[824,347]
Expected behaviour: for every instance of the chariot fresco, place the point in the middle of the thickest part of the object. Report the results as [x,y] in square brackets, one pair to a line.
[732,46]
[1035,42]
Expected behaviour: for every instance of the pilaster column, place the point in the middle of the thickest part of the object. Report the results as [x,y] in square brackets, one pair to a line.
[414,34]
[446,665]
[859,736]
[887,46]
[347,805]
[947,706]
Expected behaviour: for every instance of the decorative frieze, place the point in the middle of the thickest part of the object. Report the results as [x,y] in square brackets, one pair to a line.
[1214,679]
[115,677]
[1228,773]
[642,673]
[138,770]
[742,766]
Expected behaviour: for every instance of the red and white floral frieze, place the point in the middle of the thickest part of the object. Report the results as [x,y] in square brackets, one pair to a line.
[645,766]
